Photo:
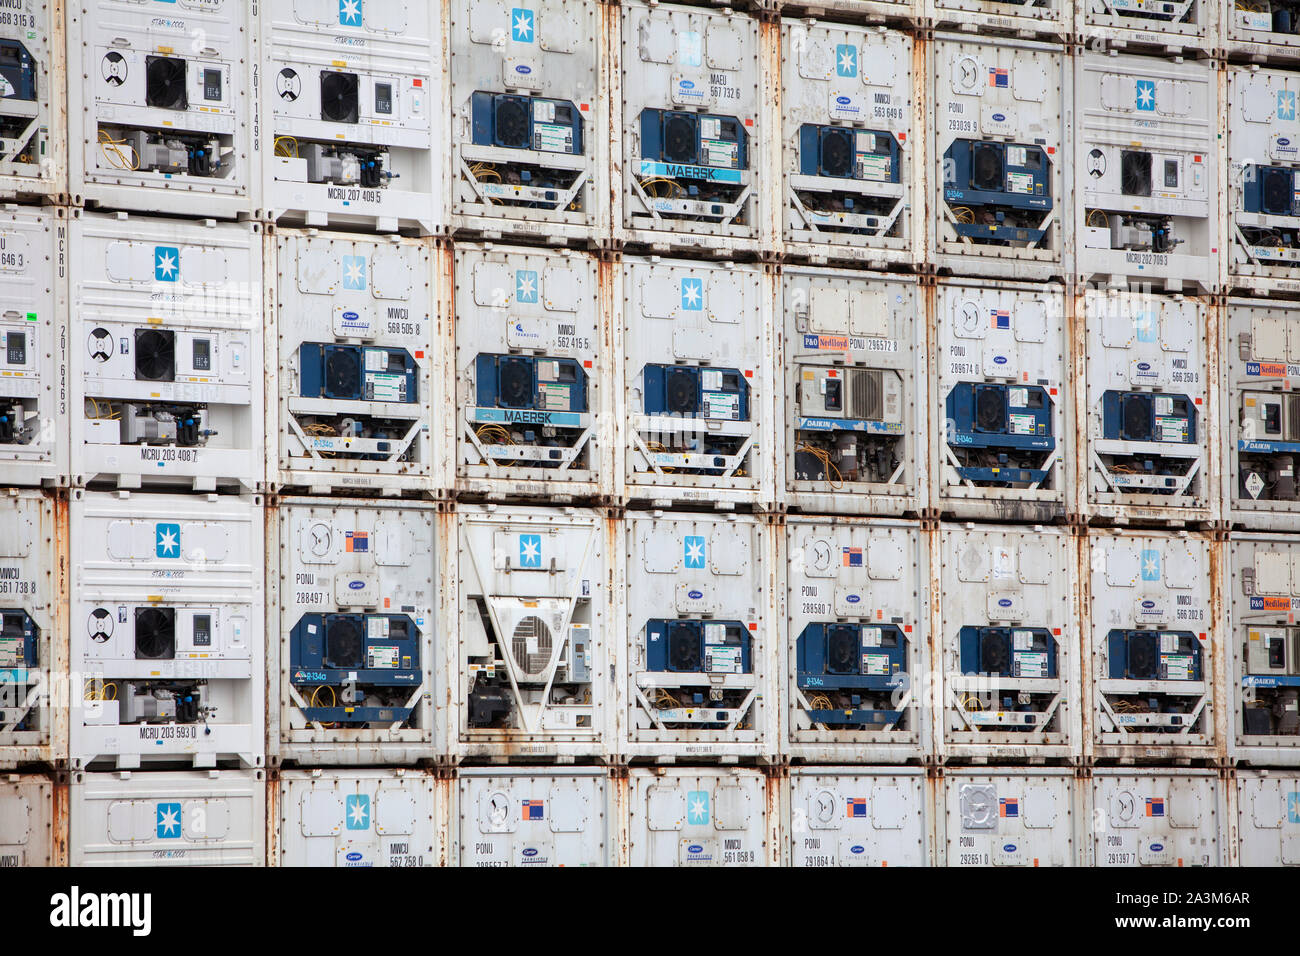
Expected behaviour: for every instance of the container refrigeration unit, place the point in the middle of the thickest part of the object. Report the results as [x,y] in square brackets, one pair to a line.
[166,623]
[1010,817]
[699,678]
[702,818]
[856,816]
[351,102]
[1001,399]
[1008,607]
[1260,30]
[1157,818]
[530,675]
[1267,824]
[1154,639]
[1162,27]
[356,818]
[1146,168]
[854,413]
[695,339]
[997,155]
[33,333]
[1050,19]
[33,626]
[856,650]
[354,604]
[534,373]
[1264,676]
[1263,191]
[33,119]
[1150,408]
[165,340]
[538,817]
[33,832]
[161,104]
[848,129]
[1261,353]
[529,120]
[688,123]
[355,335]
[168,818]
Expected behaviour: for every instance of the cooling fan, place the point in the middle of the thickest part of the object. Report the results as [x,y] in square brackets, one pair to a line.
[531,646]
[338,97]
[990,409]
[155,355]
[680,139]
[842,650]
[1136,418]
[1135,173]
[684,650]
[342,374]
[986,166]
[516,383]
[995,655]
[837,152]
[165,83]
[1143,657]
[867,395]
[344,645]
[679,387]
[1278,192]
[512,123]
[155,633]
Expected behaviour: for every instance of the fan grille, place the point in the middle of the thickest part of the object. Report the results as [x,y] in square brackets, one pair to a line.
[1135,173]
[531,632]
[995,652]
[344,644]
[342,374]
[990,409]
[986,167]
[1278,191]
[165,83]
[837,152]
[1143,657]
[515,383]
[679,139]
[1136,418]
[684,650]
[338,97]
[680,388]
[512,123]
[155,633]
[866,395]
[155,355]
[842,650]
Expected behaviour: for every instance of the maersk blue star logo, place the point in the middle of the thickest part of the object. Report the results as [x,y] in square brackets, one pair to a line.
[846,59]
[1286,104]
[350,13]
[354,273]
[1146,95]
[356,811]
[697,807]
[166,263]
[521,25]
[525,285]
[167,540]
[169,821]
[530,550]
[1293,808]
[1151,565]
[694,548]
[693,294]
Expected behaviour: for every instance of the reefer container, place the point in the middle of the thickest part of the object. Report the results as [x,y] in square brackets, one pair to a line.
[1156,818]
[1267,820]
[352,114]
[166,625]
[346,818]
[534,374]
[998,157]
[168,818]
[689,124]
[702,634]
[355,596]
[33,826]
[1259,31]
[1263,581]
[34,692]
[857,816]
[1261,352]
[1052,19]
[1002,402]
[1151,408]
[1165,27]
[1146,162]
[1009,610]
[1263,195]
[33,119]
[849,132]
[166,352]
[34,360]
[530,674]
[542,816]
[856,626]
[161,107]
[354,326]
[720,817]
[854,412]
[530,117]
[697,344]
[1011,817]
[1155,645]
